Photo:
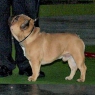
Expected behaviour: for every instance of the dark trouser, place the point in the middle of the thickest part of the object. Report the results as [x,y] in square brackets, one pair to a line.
[28,7]
[5,35]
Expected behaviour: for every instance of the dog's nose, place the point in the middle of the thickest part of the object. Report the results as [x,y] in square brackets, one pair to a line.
[14,18]
[9,20]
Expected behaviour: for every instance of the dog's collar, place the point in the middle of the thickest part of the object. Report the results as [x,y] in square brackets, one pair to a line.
[27,36]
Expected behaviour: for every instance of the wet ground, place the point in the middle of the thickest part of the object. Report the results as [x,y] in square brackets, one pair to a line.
[48,89]
[84,26]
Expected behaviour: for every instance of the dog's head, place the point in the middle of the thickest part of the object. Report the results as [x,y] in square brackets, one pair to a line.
[21,26]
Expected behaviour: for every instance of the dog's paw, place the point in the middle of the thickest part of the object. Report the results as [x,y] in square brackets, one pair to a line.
[68,78]
[80,80]
[31,78]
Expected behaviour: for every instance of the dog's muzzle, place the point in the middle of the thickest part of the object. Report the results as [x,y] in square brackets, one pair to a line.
[11,19]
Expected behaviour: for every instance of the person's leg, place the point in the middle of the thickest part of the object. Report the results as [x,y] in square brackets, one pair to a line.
[6,61]
[32,10]
[19,7]
[20,59]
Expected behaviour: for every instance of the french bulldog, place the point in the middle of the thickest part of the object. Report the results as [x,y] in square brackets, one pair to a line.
[43,48]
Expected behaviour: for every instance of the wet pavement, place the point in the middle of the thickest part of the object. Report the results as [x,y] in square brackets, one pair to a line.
[48,89]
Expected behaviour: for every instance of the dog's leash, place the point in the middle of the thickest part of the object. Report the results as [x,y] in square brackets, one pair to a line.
[37,12]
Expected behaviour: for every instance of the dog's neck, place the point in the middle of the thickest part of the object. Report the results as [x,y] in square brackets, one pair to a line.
[34,33]
[27,35]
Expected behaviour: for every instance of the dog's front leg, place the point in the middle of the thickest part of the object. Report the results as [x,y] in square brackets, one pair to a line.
[35,65]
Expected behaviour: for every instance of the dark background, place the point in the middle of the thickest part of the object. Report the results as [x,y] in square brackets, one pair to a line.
[42,2]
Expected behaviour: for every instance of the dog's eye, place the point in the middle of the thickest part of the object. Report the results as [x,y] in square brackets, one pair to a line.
[16,18]
[13,21]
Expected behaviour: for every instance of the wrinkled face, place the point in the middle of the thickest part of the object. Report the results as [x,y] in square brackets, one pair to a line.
[20,25]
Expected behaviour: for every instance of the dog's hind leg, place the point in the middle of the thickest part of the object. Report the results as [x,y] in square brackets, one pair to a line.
[73,68]
[80,58]
[82,67]
[35,69]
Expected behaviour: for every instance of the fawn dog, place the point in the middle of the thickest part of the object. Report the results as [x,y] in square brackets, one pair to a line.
[43,48]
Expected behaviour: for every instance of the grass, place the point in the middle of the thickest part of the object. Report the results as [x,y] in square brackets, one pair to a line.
[55,73]
[66,9]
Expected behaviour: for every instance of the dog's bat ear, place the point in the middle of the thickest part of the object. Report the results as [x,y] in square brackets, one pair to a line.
[25,25]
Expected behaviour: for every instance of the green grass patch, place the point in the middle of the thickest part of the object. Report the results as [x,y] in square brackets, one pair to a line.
[66,9]
[56,73]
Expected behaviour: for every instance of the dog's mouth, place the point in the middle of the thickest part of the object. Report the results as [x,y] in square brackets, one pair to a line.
[12,20]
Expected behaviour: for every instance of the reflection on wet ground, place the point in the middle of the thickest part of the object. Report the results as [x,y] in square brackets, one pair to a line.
[48,89]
